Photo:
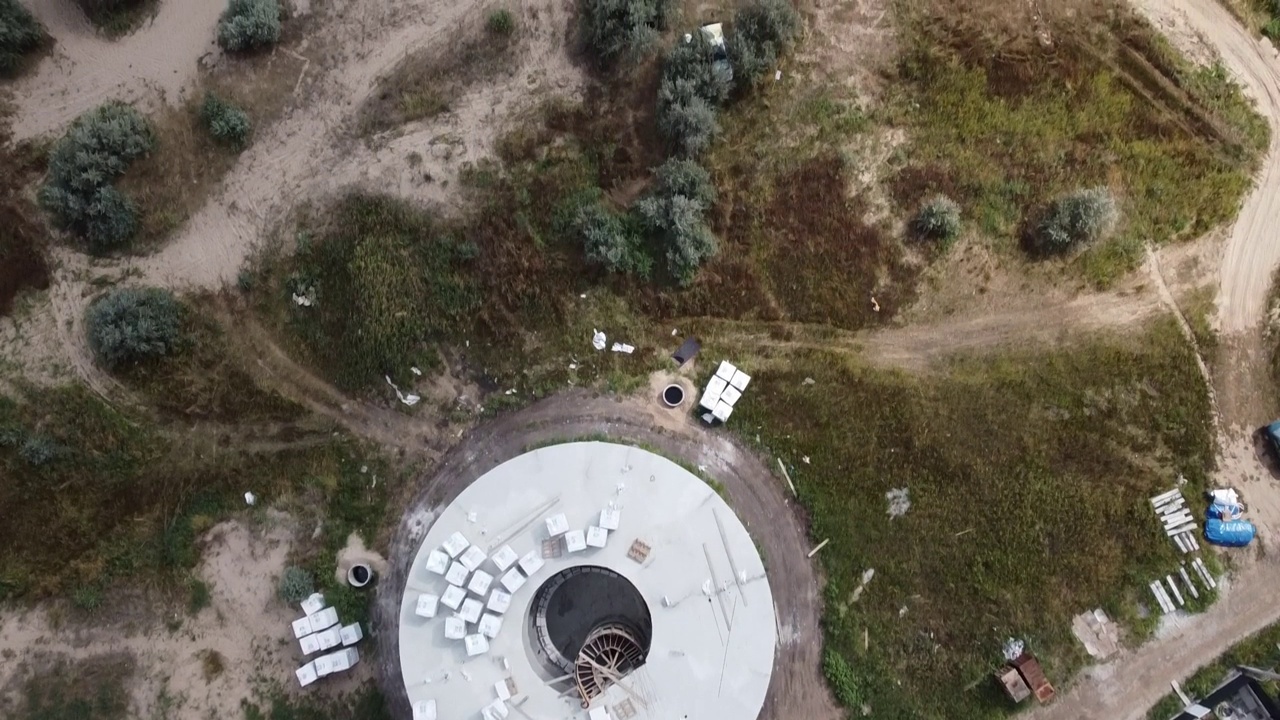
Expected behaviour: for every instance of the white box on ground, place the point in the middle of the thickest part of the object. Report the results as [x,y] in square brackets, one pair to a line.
[428,605]
[513,580]
[609,518]
[455,628]
[504,558]
[324,665]
[310,644]
[504,692]
[425,710]
[480,582]
[313,604]
[597,536]
[496,710]
[326,618]
[476,644]
[344,659]
[457,574]
[726,370]
[438,562]
[453,597]
[352,634]
[473,558]
[301,627]
[306,674]
[499,601]
[722,411]
[490,625]
[740,380]
[575,541]
[557,525]
[455,544]
[471,609]
[731,395]
[598,714]
[330,638]
[532,562]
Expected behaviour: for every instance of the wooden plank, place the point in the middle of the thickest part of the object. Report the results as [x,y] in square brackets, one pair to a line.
[1204,573]
[1181,543]
[1174,587]
[1191,587]
[1192,541]
[1181,529]
[1155,590]
[1165,496]
[1181,518]
[1168,601]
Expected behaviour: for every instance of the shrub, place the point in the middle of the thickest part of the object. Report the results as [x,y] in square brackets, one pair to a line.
[113,16]
[130,325]
[613,28]
[843,681]
[38,450]
[608,242]
[1079,217]
[673,214]
[226,122]
[501,22]
[693,84]
[20,33]
[760,33]
[938,219]
[249,25]
[694,60]
[97,149]
[296,585]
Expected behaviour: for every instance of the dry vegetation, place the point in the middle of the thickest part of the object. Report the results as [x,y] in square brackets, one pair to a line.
[22,235]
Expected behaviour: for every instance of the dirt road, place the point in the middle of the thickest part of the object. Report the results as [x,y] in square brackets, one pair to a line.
[1253,250]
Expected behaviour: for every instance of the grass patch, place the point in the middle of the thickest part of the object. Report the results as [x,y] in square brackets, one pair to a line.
[22,235]
[1112,105]
[89,689]
[1019,448]
[429,82]
[364,704]
[117,18]
[1261,651]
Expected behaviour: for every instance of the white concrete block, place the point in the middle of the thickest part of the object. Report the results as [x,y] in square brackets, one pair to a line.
[326,618]
[531,563]
[352,634]
[471,609]
[457,574]
[609,518]
[504,558]
[310,644]
[306,674]
[330,638]
[513,580]
[575,541]
[313,604]
[456,543]
[476,644]
[557,525]
[726,370]
[499,601]
[480,582]
[597,536]
[301,627]
[428,605]
[473,558]
[490,625]
[455,628]
[453,597]
[438,562]
[740,380]
[425,710]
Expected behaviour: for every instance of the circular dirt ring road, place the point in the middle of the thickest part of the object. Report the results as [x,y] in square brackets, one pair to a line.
[796,688]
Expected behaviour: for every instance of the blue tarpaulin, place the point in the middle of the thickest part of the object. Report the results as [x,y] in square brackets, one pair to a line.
[1230,533]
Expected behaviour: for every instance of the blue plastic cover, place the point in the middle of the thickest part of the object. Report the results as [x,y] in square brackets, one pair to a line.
[1230,533]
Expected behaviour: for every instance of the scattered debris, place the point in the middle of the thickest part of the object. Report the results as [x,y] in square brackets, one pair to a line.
[809,381]
[964,532]
[675,331]
[1013,649]
[1097,633]
[1171,508]
[787,475]
[302,300]
[805,458]
[623,348]
[899,502]
[875,306]
[819,547]
[687,350]
[598,340]
[250,498]
[866,578]
[777,75]
[415,371]
[408,399]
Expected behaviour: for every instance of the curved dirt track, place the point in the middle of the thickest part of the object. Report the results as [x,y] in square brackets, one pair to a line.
[1253,250]
[796,689]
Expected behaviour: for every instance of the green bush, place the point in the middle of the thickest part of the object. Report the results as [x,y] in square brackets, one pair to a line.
[673,215]
[296,585]
[113,16]
[39,450]
[842,680]
[1079,217]
[249,25]
[611,29]
[938,219]
[693,85]
[97,149]
[20,33]
[609,243]
[226,122]
[760,33]
[131,325]
[501,22]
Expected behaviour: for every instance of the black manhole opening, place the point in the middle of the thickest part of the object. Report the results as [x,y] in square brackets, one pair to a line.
[673,395]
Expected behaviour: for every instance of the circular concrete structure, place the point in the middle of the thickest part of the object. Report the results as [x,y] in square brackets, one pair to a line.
[592,580]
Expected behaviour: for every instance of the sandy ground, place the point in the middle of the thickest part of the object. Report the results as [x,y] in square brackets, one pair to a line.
[246,624]
[155,63]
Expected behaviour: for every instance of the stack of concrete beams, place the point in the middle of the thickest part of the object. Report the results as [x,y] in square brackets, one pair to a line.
[1179,525]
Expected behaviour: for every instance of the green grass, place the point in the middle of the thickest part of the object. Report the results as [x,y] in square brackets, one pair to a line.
[364,704]
[90,689]
[1260,651]
[1046,458]
[1003,137]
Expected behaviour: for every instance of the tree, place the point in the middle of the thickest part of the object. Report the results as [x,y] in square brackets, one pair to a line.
[687,121]
[226,122]
[761,32]
[673,215]
[938,219]
[131,325]
[98,147]
[611,29]
[249,25]
[20,33]
[1076,218]
[608,242]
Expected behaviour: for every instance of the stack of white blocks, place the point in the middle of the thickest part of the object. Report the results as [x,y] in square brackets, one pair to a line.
[1172,510]
[318,631]
[724,389]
